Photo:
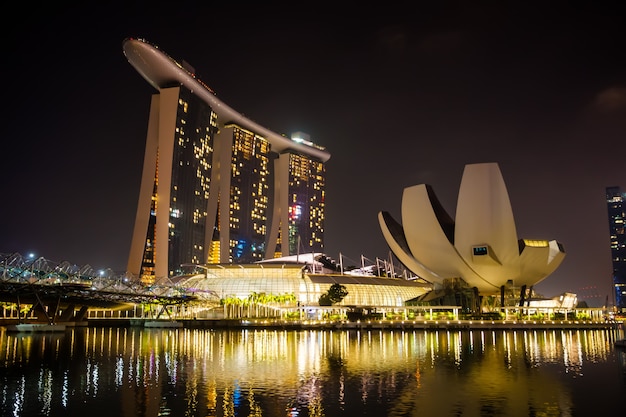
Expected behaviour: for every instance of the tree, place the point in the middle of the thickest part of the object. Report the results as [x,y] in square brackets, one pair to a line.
[335,294]
[325,300]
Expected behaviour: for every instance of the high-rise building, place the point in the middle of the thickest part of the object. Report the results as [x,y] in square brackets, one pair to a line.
[217,187]
[298,222]
[615,204]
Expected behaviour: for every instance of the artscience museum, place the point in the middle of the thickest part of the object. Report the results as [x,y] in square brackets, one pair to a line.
[479,250]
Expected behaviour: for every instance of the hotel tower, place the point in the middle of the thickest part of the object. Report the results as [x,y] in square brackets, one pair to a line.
[616,210]
[217,187]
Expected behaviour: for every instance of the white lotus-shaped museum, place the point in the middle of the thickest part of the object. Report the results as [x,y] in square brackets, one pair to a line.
[481,247]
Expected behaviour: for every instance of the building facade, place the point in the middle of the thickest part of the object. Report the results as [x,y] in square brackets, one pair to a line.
[297,281]
[298,215]
[217,187]
[615,205]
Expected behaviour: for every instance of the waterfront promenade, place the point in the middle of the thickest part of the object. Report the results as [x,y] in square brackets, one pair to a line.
[364,325]
[137,318]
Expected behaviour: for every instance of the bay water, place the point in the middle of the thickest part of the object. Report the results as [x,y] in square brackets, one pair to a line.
[135,371]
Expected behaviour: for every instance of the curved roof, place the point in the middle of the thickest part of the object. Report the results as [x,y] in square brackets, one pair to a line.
[162,71]
[481,246]
[240,281]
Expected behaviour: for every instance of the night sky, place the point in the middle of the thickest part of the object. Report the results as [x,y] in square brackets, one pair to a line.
[398,97]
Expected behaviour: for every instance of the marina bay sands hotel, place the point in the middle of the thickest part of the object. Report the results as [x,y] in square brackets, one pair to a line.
[217,187]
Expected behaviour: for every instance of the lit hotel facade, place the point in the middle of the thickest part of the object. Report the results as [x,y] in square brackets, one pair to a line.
[217,187]
[616,210]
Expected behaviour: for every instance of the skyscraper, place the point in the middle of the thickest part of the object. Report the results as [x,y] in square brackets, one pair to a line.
[217,187]
[298,222]
[615,204]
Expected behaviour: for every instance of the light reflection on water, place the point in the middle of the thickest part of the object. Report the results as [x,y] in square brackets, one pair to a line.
[190,372]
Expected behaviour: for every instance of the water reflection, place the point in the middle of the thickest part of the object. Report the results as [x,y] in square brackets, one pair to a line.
[190,372]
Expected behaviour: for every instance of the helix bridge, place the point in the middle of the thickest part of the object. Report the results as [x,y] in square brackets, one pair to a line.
[53,286]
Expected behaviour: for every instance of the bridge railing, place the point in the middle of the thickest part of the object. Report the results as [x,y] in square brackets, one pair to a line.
[39,272]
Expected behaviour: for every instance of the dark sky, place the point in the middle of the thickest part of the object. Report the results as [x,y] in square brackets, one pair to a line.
[399,97]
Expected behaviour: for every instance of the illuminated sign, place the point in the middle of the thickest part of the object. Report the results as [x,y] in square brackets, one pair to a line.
[480,250]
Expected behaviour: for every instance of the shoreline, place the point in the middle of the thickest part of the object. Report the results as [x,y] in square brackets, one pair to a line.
[362,325]
[277,324]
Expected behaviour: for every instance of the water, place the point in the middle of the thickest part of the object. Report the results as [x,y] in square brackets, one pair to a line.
[199,372]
